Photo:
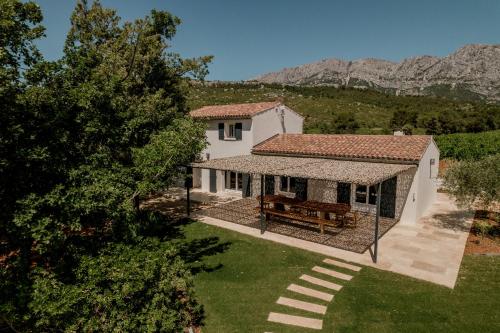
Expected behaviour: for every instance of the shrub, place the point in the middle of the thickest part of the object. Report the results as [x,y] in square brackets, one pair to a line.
[137,288]
[474,182]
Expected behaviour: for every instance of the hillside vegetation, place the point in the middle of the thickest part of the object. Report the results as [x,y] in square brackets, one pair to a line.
[468,146]
[337,110]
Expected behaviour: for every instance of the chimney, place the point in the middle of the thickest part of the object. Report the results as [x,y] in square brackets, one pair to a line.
[399,133]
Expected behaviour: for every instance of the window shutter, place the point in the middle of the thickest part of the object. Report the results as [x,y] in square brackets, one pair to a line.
[221,131]
[238,131]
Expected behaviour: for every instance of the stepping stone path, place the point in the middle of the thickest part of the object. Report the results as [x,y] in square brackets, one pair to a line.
[310,292]
[335,274]
[307,322]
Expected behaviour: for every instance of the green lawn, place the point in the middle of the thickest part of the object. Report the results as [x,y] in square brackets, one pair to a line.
[239,278]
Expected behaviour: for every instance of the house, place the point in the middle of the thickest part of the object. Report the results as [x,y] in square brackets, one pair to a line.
[405,195]
[234,130]
[323,168]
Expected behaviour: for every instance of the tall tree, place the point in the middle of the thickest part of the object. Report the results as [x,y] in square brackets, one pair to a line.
[89,134]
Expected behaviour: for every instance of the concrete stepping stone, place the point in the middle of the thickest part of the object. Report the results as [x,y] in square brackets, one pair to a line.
[342,264]
[310,292]
[319,282]
[306,306]
[306,322]
[335,274]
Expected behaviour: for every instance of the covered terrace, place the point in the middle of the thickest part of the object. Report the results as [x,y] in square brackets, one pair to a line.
[323,169]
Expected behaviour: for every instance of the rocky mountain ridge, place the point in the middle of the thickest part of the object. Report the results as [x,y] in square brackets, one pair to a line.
[471,72]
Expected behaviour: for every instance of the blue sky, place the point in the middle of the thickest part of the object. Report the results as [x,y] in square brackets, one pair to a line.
[250,37]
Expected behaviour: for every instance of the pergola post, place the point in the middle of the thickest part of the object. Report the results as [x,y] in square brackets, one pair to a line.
[377,218]
[262,217]
[188,182]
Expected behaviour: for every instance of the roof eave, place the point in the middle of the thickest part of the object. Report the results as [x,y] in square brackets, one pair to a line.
[342,158]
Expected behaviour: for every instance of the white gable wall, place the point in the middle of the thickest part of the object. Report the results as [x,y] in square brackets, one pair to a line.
[423,189]
[271,122]
[427,180]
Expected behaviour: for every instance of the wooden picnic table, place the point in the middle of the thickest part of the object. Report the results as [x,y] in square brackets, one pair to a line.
[312,208]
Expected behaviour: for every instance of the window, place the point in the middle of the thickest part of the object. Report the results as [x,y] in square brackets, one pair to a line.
[234,180]
[287,184]
[366,195]
[230,131]
[361,193]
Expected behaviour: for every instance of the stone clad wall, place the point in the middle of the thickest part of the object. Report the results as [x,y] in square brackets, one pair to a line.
[322,190]
[326,191]
[405,180]
[255,185]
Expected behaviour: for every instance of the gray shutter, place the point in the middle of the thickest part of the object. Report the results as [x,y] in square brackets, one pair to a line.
[213,181]
[246,185]
[388,198]
[238,128]
[221,131]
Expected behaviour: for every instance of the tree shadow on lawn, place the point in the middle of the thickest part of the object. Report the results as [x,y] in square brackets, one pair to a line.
[195,250]
[192,251]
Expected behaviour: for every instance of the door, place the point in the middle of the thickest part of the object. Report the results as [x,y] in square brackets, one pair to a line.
[388,198]
[301,188]
[213,181]
[246,185]
[344,193]
[269,187]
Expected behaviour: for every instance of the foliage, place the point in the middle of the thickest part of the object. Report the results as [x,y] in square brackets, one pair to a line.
[82,139]
[469,146]
[147,280]
[483,228]
[374,112]
[474,182]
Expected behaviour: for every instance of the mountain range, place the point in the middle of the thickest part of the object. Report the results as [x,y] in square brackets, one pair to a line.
[471,72]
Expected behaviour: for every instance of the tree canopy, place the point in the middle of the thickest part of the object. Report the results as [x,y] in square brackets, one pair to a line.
[82,139]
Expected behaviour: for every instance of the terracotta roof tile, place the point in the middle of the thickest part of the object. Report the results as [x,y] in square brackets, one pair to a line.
[246,110]
[377,147]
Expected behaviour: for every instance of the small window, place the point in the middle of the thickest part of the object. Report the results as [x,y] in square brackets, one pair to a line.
[361,193]
[230,131]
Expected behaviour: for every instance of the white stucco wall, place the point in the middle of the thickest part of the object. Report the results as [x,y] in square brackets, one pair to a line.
[422,193]
[427,179]
[269,123]
[261,127]
[228,147]
[205,180]
[294,123]
[196,178]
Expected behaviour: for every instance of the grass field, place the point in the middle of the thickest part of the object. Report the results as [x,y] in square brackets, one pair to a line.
[239,278]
